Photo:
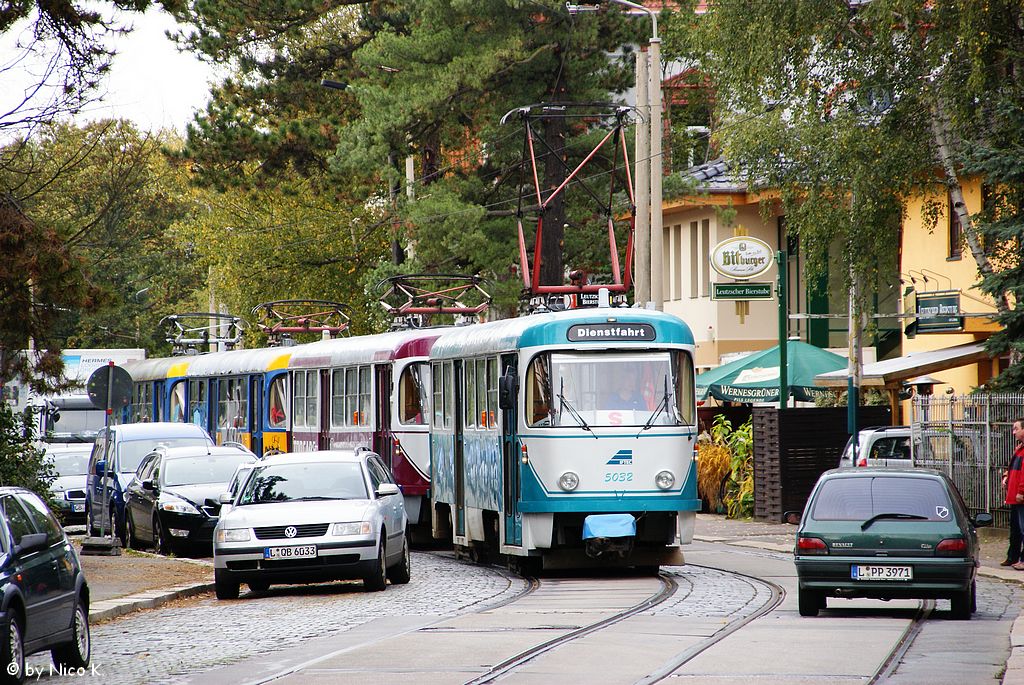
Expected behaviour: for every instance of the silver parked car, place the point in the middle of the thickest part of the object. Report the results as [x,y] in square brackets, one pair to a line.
[313,517]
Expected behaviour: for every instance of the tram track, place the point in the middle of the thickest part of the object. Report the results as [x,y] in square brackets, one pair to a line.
[905,642]
[668,588]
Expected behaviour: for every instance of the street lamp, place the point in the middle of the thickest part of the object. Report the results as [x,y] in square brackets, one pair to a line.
[649,264]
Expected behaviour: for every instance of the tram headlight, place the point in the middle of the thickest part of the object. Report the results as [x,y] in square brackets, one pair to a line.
[664,480]
[569,481]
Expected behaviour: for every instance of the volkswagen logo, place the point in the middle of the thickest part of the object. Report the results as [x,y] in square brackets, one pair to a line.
[290,532]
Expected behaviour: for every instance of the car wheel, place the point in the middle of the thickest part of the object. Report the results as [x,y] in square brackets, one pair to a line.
[117,530]
[130,538]
[378,579]
[960,604]
[400,573]
[14,652]
[160,543]
[224,585]
[258,585]
[75,654]
[90,526]
[809,602]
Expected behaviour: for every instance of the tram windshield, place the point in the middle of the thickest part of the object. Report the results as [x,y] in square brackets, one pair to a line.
[610,388]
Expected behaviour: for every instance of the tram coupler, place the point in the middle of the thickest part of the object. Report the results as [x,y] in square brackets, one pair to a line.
[609,535]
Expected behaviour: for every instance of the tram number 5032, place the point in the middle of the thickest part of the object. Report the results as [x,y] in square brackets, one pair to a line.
[618,477]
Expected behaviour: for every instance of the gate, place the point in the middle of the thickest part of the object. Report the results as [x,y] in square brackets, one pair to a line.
[970,438]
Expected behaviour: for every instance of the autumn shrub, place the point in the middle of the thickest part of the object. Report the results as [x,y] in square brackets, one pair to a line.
[714,463]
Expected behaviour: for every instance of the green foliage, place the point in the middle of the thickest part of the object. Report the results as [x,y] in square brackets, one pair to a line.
[110,196]
[868,397]
[726,467]
[22,463]
[739,490]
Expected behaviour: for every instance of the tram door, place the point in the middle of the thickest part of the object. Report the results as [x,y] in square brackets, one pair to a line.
[158,401]
[382,442]
[510,462]
[460,462]
[256,414]
[324,402]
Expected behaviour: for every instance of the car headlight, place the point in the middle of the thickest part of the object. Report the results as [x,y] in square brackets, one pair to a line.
[352,528]
[232,535]
[569,481]
[664,480]
[178,506]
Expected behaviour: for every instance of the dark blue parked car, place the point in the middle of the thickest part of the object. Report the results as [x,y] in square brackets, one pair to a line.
[114,461]
[44,599]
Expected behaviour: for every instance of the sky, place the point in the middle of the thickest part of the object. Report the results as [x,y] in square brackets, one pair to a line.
[151,82]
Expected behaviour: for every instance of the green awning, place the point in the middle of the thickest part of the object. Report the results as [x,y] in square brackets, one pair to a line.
[755,378]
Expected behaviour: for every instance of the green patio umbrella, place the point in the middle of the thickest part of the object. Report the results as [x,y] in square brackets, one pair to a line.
[755,378]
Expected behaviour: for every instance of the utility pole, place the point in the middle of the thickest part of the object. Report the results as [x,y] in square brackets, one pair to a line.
[657,237]
[642,275]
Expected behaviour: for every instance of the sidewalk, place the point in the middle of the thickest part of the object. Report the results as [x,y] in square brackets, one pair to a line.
[140,580]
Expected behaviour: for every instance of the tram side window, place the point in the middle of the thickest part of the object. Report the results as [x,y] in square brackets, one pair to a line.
[538,392]
[492,392]
[412,394]
[197,402]
[685,390]
[142,403]
[177,413]
[278,403]
[338,398]
[352,397]
[232,404]
[449,394]
[470,394]
[305,407]
[364,396]
[437,384]
[479,390]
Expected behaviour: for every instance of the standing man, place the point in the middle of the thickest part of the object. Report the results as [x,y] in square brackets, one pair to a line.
[1013,480]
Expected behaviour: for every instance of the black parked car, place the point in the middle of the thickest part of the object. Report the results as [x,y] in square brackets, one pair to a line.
[44,599]
[173,501]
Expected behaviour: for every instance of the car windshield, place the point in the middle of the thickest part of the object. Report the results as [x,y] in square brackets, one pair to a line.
[70,463]
[132,451]
[206,468]
[307,481]
[859,499]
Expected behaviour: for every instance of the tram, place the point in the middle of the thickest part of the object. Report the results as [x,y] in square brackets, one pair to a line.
[237,396]
[369,391]
[565,439]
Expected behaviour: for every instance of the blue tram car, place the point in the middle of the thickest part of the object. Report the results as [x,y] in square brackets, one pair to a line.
[566,438]
[237,396]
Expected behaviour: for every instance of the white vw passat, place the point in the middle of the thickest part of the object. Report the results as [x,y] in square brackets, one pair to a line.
[313,517]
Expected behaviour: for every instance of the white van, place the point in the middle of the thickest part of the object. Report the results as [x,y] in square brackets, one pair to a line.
[879,446]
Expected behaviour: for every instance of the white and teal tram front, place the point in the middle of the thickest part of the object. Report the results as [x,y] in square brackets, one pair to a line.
[566,438]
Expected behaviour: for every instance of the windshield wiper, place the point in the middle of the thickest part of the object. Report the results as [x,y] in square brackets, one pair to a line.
[662,405]
[891,515]
[572,411]
[315,498]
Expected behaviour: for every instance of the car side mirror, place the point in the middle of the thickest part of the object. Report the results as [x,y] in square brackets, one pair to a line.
[983,519]
[33,542]
[508,385]
[101,468]
[386,489]
[226,498]
[792,517]
[148,485]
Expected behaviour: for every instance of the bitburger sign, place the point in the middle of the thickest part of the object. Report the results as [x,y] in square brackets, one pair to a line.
[741,257]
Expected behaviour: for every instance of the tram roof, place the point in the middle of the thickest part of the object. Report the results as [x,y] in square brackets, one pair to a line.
[366,349]
[241,361]
[552,328]
[158,368]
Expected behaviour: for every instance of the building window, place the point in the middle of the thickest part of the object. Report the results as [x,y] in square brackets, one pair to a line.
[694,259]
[956,234]
[705,263]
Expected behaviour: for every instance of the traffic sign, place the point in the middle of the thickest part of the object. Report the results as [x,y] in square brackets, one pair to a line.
[741,291]
[109,384]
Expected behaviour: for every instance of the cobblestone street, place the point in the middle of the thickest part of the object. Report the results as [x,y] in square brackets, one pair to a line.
[200,634]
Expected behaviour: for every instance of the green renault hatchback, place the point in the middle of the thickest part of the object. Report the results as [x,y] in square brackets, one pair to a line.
[886,533]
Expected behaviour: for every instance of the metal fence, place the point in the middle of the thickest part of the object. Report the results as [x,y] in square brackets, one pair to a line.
[970,438]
